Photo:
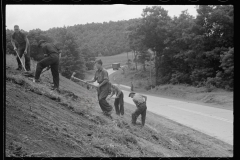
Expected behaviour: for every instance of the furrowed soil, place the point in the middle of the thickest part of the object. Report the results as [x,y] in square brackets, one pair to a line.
[69,123]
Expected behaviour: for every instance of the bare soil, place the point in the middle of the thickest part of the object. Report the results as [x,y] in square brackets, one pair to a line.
[44,123]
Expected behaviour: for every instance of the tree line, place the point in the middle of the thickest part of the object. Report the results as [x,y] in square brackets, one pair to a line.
[79,44]
[197,51]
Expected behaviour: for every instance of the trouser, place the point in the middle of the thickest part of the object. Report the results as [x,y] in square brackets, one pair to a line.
[141,109]
[102,95]
[119,105]
[20,51]
[53,61]
[105,106]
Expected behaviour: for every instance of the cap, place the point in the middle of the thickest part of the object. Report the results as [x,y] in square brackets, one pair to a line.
[131,93]
[99,61]
[40,42]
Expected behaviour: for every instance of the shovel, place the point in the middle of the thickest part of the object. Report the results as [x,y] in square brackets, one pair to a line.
[21,62]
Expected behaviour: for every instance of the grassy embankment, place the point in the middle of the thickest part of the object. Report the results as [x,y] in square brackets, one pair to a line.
[44,123]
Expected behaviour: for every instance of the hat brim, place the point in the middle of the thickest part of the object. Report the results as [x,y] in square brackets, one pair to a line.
[131,94]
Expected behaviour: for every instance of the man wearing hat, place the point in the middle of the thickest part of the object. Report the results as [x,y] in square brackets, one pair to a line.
[21,44]
[101,76]
[51,58]
[140,102]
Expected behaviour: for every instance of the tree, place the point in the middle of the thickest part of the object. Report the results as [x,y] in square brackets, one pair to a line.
[9,47]
[72,60]
[154,29]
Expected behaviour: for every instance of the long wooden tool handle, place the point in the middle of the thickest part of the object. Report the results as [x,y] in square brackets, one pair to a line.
[21,62]
[83,81]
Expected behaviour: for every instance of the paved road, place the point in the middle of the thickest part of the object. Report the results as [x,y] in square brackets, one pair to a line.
[212,121]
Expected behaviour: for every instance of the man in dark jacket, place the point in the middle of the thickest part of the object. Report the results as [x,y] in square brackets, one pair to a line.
[140,101]
[51,59]
[21,45]
[101,76]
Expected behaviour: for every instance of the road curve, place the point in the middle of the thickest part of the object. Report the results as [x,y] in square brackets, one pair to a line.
[215,122]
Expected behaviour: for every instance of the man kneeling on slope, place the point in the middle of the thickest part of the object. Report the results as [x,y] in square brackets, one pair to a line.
[140,102]
[101,76]
[51,59]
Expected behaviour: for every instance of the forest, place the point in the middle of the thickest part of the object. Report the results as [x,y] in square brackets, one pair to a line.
[198,51]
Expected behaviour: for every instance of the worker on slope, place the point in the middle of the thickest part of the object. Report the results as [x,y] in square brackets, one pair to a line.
[140,102]
[101,76]
[119,102]
[21,45]
[51,54]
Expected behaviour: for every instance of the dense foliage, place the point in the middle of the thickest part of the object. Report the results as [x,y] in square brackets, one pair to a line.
[196,51]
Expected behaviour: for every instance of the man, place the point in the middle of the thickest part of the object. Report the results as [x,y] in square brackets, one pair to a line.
[21,45]
[131,87]
[118,103]
[140,102]
[51,59]
[101,76]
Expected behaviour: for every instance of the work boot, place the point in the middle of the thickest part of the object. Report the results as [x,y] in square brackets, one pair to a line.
[36,80]
[55,89]
[108,114]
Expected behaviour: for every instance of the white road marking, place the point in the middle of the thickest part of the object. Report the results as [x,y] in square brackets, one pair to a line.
[202,114]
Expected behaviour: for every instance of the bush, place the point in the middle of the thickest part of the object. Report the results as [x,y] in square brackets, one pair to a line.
[178,77]
[90,65]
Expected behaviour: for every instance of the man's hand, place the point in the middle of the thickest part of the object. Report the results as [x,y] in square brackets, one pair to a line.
[45,55]
[25,52]
[15,49]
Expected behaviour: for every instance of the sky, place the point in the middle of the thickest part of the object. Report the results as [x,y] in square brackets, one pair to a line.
[44,17]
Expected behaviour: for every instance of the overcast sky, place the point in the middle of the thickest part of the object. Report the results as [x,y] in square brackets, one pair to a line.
[44,17]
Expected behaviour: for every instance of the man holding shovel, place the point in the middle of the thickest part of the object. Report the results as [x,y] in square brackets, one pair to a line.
[21,46]
[51,59]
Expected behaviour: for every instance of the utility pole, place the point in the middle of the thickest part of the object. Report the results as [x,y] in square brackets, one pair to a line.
[151,75]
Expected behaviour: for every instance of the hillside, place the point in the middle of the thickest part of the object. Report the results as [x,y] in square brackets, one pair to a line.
[45,123]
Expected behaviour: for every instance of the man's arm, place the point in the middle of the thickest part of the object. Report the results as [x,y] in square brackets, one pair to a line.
[145,98]
[104,82]
[118,94]
[112,93]
[45,50]
[105,78]
[27,43]
[13,43]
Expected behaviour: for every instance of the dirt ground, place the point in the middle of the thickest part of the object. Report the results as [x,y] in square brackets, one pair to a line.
[218,98]
[44,123]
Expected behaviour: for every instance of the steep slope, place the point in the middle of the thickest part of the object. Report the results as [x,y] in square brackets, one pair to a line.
[45,123]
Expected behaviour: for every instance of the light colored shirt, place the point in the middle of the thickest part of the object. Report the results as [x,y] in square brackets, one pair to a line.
[116,90]
[138,99]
